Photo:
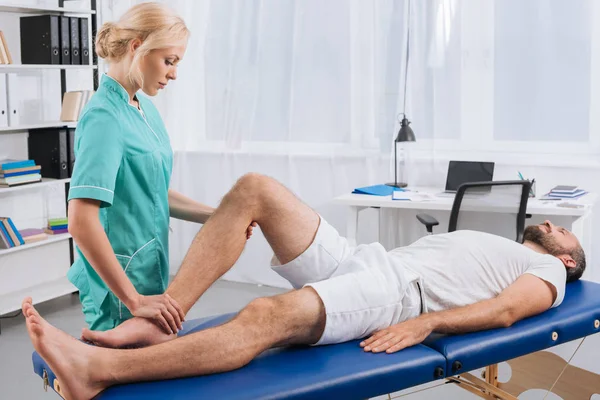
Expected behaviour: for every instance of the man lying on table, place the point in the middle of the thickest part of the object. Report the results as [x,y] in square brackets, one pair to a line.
[449,283]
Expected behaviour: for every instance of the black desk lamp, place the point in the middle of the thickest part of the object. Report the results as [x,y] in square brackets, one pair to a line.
[405,134]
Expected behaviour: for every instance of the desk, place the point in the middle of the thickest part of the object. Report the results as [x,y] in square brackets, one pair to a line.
[579,218]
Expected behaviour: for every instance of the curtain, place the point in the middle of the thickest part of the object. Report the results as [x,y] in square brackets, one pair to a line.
[311,92]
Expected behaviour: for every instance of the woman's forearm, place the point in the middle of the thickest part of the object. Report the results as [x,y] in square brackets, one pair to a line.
[88,233]
[182,207]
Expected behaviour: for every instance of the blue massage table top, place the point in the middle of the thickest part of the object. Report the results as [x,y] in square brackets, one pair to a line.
[344,370]
[573,319]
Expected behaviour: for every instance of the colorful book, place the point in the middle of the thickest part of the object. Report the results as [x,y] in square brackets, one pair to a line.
[57,221]
[14,229]
[31,235]
[21,171]
[55,232]
[564,189]
[5,238]
[58,227]
[35,168]
[19,180]
[377,190]
[577,193]
[12,164]
[30,232]
[12,239]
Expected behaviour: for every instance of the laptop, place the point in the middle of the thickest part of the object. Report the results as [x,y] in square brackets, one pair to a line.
[460,172]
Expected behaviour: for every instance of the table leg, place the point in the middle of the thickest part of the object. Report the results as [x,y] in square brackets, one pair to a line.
[352,224]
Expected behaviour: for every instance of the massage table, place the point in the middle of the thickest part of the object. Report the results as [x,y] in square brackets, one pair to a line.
[345,371]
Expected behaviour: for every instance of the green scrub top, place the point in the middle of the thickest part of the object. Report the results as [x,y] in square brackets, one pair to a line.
[124,160]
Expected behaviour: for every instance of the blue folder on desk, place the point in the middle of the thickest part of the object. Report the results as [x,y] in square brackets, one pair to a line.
[377,190]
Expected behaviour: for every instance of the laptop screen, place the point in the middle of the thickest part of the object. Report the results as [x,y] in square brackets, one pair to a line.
[460,172]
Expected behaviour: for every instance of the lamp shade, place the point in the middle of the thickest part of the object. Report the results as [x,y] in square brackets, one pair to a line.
[405,134]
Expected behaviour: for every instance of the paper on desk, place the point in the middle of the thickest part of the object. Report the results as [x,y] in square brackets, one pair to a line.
[412,196]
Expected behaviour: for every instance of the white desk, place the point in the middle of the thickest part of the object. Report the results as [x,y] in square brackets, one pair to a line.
[578,217]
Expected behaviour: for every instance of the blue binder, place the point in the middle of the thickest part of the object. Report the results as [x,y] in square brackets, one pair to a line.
[377,190]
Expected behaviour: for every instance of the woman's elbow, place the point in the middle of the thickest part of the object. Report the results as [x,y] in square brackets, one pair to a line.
[81,215]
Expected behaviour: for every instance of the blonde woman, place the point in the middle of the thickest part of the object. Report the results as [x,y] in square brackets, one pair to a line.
[119,200]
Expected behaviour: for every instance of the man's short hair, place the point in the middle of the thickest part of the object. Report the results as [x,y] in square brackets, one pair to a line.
[575,273]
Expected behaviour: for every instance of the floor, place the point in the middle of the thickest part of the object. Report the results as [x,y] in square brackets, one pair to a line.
[17,380]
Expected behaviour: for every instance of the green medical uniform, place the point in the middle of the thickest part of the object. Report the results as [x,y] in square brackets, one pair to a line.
[124,160]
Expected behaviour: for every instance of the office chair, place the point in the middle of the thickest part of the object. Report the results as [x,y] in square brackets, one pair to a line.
[482,194]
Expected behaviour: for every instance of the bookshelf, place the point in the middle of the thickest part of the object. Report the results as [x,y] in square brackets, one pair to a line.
[39,269]
[37,185]
[21,67]
[50,124]
[11,301]
[51,239]
[25,9]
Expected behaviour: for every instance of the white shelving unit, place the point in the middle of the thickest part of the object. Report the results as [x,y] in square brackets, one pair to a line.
[24,9]
[38,269]
[10,302]
[51,239]
[21,67]
[29,186]
[51,124]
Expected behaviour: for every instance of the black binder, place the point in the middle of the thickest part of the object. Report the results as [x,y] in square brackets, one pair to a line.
[65,40]
[40,39]
[49,148]
[84,43]
[71,133]
[75,46]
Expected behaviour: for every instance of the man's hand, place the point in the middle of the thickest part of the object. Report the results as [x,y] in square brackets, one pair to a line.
[398,337]
[249,230]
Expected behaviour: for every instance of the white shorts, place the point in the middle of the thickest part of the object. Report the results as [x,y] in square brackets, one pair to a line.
[363,288]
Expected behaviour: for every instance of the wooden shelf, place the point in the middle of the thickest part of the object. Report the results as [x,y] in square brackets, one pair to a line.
[25,9]
[29,186]
[27,246]
[43,292]
[21,67]
[51,124]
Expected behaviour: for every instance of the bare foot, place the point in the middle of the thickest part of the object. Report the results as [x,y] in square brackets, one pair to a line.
[135,332]
[68,358]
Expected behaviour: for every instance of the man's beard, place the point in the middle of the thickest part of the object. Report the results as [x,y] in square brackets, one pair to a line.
[534,234]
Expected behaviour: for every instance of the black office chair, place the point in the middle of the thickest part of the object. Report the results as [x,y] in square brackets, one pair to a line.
[479,195]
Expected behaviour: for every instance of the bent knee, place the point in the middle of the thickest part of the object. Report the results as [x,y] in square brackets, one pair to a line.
[248,189]
[251,182]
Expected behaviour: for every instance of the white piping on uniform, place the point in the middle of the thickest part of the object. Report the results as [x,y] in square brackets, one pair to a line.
[125,270]
[95,187]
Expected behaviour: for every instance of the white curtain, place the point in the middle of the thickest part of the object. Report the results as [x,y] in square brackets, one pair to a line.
[310,91]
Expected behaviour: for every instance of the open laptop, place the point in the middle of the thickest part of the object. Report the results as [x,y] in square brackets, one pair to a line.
[460,172]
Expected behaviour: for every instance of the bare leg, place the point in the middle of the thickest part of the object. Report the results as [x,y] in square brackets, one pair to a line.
[288,225]
[297,317]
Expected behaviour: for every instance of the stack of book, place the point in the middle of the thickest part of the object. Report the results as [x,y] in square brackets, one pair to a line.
[57,226]
[19,172]
[566,192]
[9,235]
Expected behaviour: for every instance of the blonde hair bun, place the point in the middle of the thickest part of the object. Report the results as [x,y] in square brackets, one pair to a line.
[155,24]
[107,43]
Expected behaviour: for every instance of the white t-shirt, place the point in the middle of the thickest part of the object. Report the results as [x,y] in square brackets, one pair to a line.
[465,267]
